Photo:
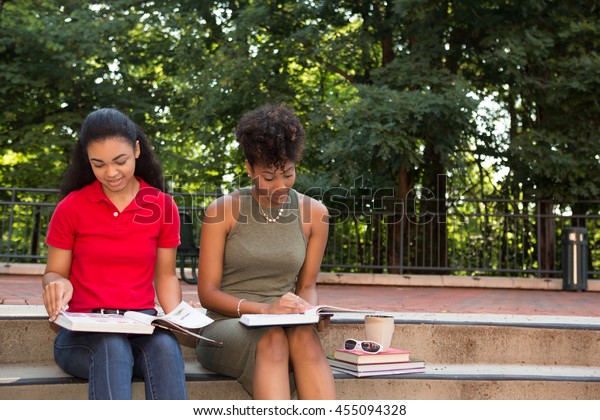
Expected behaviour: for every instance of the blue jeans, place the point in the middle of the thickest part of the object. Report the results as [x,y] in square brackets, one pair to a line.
[110,361]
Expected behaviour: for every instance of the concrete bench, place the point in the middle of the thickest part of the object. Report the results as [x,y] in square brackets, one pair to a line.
[467,357]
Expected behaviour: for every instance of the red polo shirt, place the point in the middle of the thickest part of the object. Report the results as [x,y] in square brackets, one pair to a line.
[114,253]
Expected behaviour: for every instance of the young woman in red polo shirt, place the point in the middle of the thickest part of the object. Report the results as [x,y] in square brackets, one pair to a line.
[112,242]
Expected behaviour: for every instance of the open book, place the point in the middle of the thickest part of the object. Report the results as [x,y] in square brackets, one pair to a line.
[183,319]
[310,316]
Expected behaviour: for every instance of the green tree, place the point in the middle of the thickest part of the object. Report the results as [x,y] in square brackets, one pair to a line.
[539,60]
[391,93]
[61,59]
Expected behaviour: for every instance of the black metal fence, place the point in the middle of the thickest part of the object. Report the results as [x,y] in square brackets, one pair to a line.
[470,237]
[24,218]
[467,237]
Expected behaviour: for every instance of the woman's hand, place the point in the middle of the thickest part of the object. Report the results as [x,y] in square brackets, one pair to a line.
[57,294]
[288,304]
[57,289]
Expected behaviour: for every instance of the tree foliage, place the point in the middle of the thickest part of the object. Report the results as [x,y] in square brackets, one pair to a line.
[391,92]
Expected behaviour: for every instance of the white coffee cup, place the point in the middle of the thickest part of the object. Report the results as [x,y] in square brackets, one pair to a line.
[380,328]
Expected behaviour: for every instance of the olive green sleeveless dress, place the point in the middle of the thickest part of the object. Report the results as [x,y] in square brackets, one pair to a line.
[261,264]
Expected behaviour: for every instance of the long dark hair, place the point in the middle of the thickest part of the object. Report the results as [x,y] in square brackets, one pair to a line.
[98,126]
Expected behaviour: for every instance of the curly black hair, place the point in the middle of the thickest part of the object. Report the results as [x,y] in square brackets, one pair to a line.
[271,135]
[98,126]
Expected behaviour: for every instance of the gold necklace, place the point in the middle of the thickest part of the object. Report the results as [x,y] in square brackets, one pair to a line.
[270,219]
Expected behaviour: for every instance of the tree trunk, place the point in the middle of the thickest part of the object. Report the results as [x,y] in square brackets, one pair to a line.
[547,237]
[397,222]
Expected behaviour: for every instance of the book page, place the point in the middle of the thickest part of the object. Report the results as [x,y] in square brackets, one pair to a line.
[326,309]
[94,318]
[187,316]
[169,325]
[140,317]
[184,315]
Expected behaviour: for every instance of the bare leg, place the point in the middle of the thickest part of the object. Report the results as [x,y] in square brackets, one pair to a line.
[314,379]
[271,375]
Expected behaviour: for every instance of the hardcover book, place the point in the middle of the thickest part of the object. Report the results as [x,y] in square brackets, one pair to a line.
[310,316]
[360,357]
[373,367]
[379,372]
[92,322]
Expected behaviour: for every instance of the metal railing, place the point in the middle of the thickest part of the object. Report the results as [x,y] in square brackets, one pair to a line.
[472,237]
[25,214]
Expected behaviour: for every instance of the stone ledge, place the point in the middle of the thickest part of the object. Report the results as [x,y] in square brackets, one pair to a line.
[38,312]
[423,280]
[22,374]
[22,269]
[50,374]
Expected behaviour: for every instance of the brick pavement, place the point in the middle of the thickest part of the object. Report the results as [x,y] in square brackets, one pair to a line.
[26,290]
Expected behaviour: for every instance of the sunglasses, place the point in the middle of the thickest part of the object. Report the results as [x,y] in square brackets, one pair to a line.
[366,346]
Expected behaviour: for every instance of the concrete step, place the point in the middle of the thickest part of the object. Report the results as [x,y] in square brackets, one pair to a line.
[445,382]
[27,337]
[467,357]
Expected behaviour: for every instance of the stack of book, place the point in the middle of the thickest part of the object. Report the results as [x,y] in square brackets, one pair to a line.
[389,362]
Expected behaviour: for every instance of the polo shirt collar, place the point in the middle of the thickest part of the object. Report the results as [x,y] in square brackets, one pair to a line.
[95,193]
